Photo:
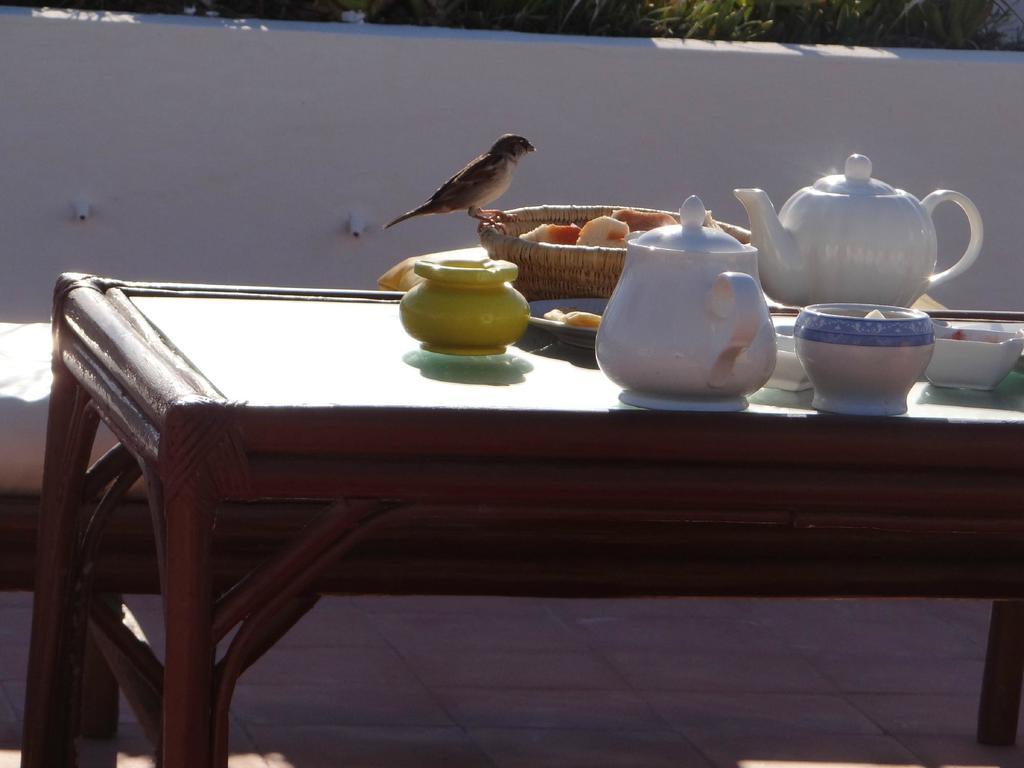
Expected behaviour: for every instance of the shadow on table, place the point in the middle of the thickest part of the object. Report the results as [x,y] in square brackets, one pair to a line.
[1008,396]
[490,370]
[543,344]
[781,398]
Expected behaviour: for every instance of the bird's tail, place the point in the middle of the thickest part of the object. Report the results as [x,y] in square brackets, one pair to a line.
[414,212]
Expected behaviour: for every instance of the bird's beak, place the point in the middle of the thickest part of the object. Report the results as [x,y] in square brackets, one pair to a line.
[530,147]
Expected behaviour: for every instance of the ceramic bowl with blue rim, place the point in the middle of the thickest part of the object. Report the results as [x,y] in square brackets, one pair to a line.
[863,359]
[864,325]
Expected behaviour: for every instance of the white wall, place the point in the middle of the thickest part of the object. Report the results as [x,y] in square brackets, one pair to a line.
[226,151]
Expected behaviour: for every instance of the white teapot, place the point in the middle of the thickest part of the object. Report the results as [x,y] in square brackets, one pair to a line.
[852,238]
[687,326]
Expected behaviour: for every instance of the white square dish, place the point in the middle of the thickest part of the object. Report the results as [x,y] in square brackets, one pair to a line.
[789,374]
[971,357]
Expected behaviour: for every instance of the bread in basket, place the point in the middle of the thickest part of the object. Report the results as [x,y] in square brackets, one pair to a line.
[551,271]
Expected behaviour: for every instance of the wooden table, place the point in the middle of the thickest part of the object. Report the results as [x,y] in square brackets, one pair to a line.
[518,475]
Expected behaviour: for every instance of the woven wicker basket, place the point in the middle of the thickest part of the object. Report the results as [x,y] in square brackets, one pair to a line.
[549,271]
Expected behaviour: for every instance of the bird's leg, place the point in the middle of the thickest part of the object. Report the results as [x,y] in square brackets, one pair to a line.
[491,217]
[489,224]
[496,215]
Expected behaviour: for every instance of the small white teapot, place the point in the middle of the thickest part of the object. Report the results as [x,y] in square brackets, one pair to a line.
[852,239]
[687,326]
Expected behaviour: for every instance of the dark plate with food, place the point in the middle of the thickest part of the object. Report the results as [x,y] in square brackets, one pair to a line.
[571,321]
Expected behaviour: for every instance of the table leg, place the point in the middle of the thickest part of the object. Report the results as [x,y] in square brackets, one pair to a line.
[188,609]
[1004,672]
[48,738]
[99,695]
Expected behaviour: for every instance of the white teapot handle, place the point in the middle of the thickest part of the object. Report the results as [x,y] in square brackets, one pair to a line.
[734,295]
[977,233]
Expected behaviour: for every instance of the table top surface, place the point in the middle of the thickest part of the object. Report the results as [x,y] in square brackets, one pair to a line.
[281,352]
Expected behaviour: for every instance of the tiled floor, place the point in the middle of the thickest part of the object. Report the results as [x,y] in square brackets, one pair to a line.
[503,683]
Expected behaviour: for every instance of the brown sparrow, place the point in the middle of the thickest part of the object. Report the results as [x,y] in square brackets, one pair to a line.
[484,180]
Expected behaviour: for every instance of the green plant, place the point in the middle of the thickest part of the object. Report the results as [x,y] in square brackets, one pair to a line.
[935,23]
[939,23]
[919,23]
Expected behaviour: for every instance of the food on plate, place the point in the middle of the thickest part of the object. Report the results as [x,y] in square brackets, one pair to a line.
[573,317]
[559,234]
[582,319]
[979,334]
[604,232]
[641,221]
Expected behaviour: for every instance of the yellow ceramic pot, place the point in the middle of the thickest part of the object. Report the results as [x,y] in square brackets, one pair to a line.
[465,306]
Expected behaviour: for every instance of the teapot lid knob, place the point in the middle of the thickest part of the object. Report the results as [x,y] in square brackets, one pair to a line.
[692,213]
[858,168]
[693,236]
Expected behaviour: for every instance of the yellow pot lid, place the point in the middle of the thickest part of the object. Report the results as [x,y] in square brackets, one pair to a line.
[480,270]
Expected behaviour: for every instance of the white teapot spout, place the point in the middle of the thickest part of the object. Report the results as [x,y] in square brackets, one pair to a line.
[780,265]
